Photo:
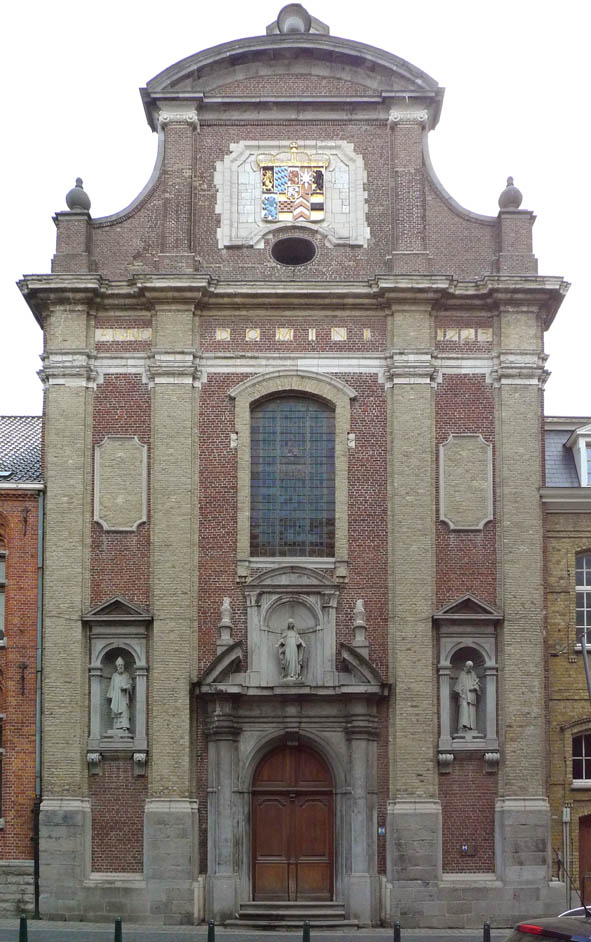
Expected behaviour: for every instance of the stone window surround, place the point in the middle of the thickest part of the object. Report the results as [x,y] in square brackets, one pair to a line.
[569,732]
[337,394]
[579,629]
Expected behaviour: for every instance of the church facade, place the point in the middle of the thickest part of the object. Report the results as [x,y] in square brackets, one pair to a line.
[293,606]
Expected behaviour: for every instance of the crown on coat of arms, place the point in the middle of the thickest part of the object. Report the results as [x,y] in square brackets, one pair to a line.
[292,186]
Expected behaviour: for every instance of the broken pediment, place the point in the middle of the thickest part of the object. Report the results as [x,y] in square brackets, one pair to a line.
[223,665]
[361,667]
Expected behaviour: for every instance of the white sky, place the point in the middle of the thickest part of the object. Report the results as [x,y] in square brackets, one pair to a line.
[516,103]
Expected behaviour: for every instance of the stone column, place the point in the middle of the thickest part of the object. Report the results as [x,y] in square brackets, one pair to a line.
[225,831]
[522,846]
[414,813]
[363,895]
[170,855]
[65,812]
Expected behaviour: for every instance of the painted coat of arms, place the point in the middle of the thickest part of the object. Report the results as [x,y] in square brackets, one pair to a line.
[292,186]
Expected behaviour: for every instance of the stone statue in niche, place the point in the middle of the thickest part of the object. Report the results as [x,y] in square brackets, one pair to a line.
[291,653]
[120,693]
[468,690]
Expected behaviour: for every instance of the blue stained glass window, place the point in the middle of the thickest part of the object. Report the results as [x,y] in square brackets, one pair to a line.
[292,482]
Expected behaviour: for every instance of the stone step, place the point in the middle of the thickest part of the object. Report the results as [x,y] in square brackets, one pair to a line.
[273,914]
[270,923]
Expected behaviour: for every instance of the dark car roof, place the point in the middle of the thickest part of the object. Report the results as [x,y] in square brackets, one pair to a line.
[557,927]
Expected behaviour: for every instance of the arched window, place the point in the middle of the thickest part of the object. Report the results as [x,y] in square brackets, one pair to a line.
[582,758]
[292,478]
[583,588]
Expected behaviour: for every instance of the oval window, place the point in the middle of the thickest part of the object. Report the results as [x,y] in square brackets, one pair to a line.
[293,251]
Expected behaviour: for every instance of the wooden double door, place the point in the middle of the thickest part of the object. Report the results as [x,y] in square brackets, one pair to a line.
[293,826]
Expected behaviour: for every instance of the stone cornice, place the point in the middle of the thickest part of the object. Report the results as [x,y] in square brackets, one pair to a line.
[566,499]
[528,292]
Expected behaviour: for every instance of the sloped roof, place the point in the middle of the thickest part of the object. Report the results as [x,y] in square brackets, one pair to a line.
[20,448]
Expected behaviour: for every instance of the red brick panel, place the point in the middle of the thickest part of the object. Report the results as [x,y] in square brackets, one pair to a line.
[120,561]
[467,796]
[117,801]
[466,560]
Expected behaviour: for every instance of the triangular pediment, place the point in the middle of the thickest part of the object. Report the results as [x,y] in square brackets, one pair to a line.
[117,608]
[468,606]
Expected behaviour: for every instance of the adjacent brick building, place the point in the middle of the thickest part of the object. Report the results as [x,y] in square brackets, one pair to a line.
[567,517]
[293,608]
[21,515]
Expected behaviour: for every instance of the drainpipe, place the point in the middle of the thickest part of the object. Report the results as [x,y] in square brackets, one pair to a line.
[566,852]
[39,664]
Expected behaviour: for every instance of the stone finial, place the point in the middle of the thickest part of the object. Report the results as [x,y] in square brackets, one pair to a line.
[511,197]
[294,18]
[359,625]
[77,198]
[225,626]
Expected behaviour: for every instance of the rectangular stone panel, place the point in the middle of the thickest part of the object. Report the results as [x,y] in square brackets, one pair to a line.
[465,482]
[120,479]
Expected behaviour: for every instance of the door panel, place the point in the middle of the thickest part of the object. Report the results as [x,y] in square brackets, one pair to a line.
[293,842]
[585,857]
[271,852]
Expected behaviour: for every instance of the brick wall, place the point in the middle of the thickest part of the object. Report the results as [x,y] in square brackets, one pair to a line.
[120,561]
[19,512]
[467,795]
[117,802]
[466,561]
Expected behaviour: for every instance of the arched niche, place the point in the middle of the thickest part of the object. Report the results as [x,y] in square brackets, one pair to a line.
[467,632]
[118,629]
[308,599]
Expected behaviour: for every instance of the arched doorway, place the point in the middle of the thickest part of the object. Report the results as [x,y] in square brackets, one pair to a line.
[293,826]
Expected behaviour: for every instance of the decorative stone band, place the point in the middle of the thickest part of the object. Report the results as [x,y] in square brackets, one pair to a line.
[173,367]
[407,117]
[520,369]
[411,367]
[68,368]
[179,117]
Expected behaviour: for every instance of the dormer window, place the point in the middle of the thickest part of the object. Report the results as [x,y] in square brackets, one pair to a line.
[580,444]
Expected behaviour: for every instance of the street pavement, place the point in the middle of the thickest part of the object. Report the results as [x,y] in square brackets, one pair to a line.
[47,931]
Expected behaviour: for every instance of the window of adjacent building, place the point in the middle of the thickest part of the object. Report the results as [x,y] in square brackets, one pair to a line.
[2,595]
[583,595]
[588,462]
[292,483]
[582,758]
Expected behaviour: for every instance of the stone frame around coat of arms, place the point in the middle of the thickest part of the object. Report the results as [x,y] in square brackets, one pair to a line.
[336,208]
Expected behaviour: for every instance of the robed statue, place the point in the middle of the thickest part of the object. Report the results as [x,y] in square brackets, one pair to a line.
[291,653]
